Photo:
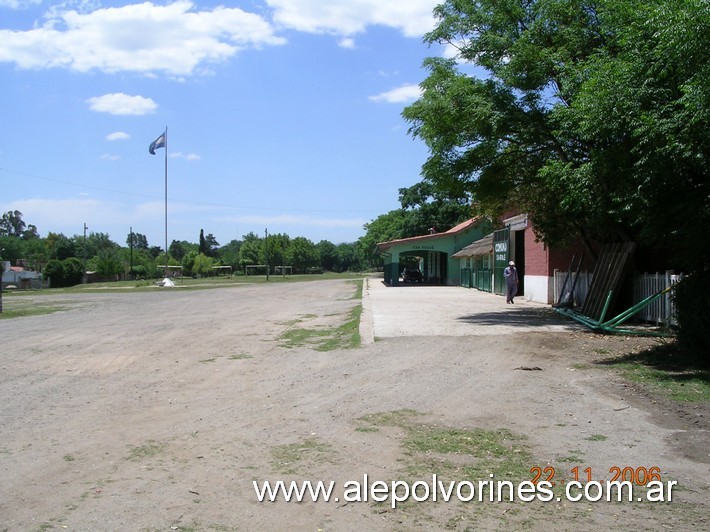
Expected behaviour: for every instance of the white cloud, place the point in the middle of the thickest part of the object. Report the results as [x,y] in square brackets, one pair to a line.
[175,38]
[63,215]
[110,157]
[347,42]
[452,51]
[118,103]
[348,17]
[186,156]
[403,94]
[117,135]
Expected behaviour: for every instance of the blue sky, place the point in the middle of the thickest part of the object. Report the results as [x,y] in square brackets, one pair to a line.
[281,114]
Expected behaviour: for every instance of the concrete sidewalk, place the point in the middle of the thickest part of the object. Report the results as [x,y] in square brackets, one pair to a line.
[417,310]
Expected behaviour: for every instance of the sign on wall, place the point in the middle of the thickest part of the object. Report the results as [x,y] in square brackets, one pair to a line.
[501,254]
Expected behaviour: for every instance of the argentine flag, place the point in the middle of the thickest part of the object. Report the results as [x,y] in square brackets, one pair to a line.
[160,142]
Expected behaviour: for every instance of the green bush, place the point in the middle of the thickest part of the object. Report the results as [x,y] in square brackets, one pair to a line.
[692,301]
[139,272]
[73,271]
[54,270]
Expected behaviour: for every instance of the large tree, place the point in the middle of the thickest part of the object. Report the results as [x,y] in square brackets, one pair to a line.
[137,241]
[428,207]
[590,115]
[385,227]
[11,224]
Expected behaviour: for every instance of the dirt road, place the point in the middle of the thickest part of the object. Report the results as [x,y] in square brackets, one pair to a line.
[159,411]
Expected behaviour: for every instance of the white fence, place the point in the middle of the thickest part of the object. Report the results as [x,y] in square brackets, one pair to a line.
[660,311]
[581,287]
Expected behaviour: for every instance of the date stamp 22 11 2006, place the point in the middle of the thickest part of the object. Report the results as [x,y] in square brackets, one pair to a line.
[623,480]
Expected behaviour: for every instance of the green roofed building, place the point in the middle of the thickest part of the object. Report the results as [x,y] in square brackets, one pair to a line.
[432,254]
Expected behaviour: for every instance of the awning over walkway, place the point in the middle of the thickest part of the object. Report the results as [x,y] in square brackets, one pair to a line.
[483,246]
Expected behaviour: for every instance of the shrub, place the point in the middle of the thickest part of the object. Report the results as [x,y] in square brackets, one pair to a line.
[73,271]
[139,272]
[54,270]
[692,301]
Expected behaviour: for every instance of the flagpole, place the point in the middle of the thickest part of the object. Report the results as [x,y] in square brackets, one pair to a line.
[166,195]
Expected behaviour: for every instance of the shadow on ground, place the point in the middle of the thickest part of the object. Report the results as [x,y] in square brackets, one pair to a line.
[668,357]
[517,317]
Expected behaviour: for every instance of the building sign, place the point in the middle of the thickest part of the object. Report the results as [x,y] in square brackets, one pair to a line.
[501,251]
[419,248]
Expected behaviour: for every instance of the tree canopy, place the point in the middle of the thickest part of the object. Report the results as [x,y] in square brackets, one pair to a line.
[591,116]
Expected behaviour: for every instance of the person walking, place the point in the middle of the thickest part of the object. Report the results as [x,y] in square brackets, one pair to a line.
[511,282]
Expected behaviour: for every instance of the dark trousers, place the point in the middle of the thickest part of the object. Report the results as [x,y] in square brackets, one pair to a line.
[512,290]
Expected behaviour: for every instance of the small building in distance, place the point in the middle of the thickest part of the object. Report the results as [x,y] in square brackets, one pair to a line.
[433,252]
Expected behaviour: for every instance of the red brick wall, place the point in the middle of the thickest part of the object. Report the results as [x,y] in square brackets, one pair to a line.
[542,260]
[536,255]
[560,258]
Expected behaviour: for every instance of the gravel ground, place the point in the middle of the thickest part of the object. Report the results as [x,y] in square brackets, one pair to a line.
[158,411]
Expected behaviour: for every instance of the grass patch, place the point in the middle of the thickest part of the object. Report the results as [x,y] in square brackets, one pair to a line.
[597,437]
[367,429]
[345,336]
[240,356]
[149,449]
[665,369]
[294,457]
[358,290]
[575,457]
[683,387]
[474,455]
[300,337]
[206,283]
[455,453]
[22,309]
[394,418]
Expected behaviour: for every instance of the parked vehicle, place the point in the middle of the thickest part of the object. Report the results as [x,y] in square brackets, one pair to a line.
[412,275]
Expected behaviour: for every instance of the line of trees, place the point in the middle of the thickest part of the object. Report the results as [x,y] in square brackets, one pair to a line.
[423,206]
[65,259]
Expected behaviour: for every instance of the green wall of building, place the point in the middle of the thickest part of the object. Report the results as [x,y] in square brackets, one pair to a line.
[435,251]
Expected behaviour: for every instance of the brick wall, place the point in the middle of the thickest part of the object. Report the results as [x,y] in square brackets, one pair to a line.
[536,255]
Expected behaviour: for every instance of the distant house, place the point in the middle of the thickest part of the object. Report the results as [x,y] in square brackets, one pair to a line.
[18,277]
[434,252]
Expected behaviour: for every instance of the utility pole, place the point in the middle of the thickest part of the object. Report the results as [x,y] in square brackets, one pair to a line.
[2,271]
[84,276]
[266,251]
[130,272]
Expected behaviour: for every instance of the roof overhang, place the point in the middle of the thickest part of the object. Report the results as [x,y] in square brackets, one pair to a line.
[517,223]
[382,247]
[483,246]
